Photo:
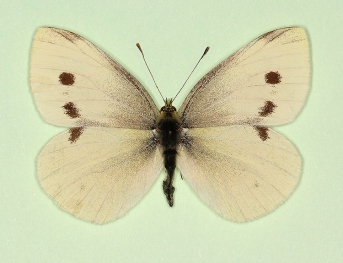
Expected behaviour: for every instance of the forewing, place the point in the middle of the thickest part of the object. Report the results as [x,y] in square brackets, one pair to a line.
[76,84]
[240,171]
[103,174]
[264,83]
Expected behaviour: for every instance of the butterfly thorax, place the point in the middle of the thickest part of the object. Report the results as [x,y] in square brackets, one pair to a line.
[168,129]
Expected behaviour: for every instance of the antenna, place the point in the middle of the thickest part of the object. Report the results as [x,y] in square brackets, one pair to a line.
[140,49]
[205,52]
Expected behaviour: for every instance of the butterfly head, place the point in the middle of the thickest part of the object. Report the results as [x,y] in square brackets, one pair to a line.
[168,111]
[168,106]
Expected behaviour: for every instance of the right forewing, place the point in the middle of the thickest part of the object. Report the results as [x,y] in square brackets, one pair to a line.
[101,175]
[264,83]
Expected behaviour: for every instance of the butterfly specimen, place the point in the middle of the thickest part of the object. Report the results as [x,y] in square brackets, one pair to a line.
[118,141]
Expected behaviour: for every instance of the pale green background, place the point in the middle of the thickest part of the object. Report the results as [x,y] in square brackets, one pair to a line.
[307,228]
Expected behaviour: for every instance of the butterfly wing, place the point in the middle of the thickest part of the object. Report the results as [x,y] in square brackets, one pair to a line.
[105,163]
[264,83]
[237,174]
[103,174]
[76,84]
[237,165]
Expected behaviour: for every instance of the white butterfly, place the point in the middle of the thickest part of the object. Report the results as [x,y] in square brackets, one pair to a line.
[119,141]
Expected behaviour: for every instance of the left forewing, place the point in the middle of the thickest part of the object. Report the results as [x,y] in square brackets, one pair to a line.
[75,84]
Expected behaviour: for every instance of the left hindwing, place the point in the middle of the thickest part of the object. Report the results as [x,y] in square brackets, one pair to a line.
[103,174]
[264,83]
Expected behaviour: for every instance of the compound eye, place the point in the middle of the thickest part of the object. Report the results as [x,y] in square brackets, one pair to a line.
[163,108]
[173,108]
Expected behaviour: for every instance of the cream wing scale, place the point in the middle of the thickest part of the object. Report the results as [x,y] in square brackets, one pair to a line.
[102,175]
[74,83]
[237,165]
[265,82]
[237,174]
[105,163]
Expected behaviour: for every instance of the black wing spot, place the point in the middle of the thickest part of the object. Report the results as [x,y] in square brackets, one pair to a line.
[75,134]
[67,79]
[267,109]
[272,77]
[262,132]
[71,110]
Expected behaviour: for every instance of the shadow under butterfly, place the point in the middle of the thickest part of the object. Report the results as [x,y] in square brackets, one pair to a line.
[118,141]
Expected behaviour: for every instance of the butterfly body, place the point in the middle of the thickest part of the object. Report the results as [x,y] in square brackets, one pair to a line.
[169,137]
[219,138]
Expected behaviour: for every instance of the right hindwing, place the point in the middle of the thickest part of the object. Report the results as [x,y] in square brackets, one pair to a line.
[238,175]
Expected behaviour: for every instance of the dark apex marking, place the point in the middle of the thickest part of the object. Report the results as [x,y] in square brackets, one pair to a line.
[75,133]
[272,77]
[267,109]
[272,35]
[70,36]
[262,132]
[71,110]
[67,79]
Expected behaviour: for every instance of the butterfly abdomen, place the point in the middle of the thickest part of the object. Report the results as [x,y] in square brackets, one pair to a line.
[168,125]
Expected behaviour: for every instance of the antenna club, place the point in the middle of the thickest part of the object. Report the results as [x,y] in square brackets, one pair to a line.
[205,52]
[139,47]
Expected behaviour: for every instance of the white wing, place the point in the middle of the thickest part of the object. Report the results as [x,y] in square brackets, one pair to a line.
[76,84]
[101,175]
[264,83]
[236,173]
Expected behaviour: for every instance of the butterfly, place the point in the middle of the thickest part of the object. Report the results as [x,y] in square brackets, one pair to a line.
[118,141]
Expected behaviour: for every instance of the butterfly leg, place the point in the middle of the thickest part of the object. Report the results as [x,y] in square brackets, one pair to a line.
[156,132]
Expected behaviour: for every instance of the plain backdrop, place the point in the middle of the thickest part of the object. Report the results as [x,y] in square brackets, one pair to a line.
[173,34]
